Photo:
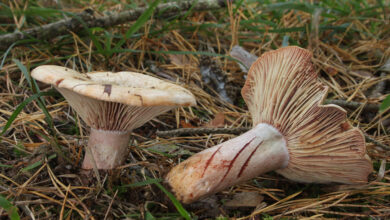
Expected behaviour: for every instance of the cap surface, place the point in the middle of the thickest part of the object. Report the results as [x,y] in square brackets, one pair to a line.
[282,90]
[123,87]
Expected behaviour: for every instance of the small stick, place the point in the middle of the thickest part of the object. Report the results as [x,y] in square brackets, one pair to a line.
[65,26]
[377,143]
[354,105]
[198,131]
[109,206]
[63,204]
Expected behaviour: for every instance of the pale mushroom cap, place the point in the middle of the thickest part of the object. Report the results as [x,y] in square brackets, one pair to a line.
[123,87]
[119,101]
[282,90]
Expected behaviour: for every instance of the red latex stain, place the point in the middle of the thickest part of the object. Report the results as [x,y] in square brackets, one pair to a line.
[247,160]
[59,81]
[209,161]
[234,159]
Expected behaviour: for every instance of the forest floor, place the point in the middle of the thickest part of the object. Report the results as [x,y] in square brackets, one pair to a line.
[42,139]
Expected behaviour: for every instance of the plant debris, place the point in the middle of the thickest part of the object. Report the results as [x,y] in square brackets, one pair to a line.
[42,141]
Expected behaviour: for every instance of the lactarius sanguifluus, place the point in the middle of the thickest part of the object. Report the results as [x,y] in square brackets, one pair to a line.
[113,104]
[293,134]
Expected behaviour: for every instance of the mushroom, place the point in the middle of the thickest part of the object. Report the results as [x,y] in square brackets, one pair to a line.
[293,134]
[112,104]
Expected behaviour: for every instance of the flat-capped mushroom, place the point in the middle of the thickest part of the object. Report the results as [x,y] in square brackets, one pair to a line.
[293,134]
[113,104]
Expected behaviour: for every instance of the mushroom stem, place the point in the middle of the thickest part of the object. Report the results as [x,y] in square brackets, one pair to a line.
[108,149]
[259,150]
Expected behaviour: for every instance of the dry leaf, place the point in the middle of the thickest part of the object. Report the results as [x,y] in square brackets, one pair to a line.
[217,122]
[179,60]
[185,124]
[33,146]
[331,71]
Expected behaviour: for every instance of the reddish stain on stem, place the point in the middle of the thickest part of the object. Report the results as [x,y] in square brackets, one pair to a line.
[59,81]
[234,159]
[209,161]
[247,160]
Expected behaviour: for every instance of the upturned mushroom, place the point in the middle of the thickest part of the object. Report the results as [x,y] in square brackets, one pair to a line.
[112,104]
[293,134]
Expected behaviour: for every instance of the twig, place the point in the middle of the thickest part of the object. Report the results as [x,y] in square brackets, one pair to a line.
[377,143]
[64,203]
[75,25]
[109,206]
[354,105]
[27,211]
[195,131]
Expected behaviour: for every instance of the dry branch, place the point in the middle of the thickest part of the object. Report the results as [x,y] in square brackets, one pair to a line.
[199,131]
[354,105]
[236,131]
[75,24]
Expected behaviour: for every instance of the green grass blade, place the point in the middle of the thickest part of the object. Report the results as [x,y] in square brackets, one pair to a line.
[12,210]
[238,5]
[5,10]
[21,106]
[5,55]
[198,53]
[37,164]
[385,104]
[382,6]
[24,70]
[4,203]
[42,12]
[5,165]
[138,24]
[175,202]
[149,216]
[54,144]
[108,40]
[143,183]
[190,9]
[35,89]
[306,7]
[173,52]
[32,166]
[93,38]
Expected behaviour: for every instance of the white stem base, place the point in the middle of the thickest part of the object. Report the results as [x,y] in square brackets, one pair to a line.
[106,149]
[257,151]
